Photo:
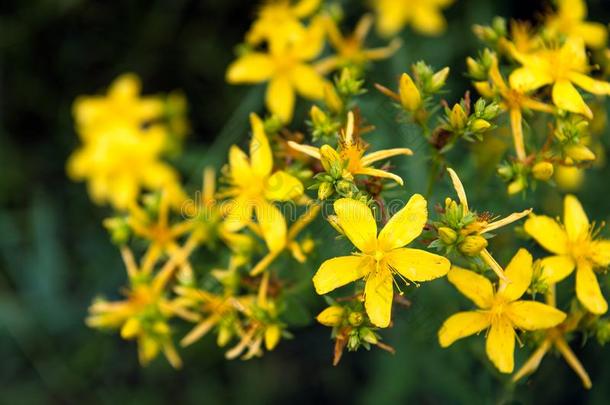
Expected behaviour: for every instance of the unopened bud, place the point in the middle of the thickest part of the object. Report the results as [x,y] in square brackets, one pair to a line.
[318,117]
[345,187]
[480,125]
[472,245]
[447,235]
[580,153]
[409,94]
[355,319]
[368,336]
[331,316]
[332,99]
[131,328]
[516,186]
[458,117]
[331,161]
[439,79]
[543,171]
[325,191]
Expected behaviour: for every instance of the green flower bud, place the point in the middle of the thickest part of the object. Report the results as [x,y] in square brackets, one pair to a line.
[480,125]
[355,319]
[458,117]
[331,161]
[325,191]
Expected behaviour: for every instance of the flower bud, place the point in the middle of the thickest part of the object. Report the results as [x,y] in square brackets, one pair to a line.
[409,94]
[475,69]
[318,117]
[355,319]
[472,245]
[543,171]
[480,125]
[368,336]
[119,230]
[326,190]
[516,186]
[438,80]
[458,117]
[345,187]
[331,161]
[447,235]
[331,316]
[580,153]
[272,336]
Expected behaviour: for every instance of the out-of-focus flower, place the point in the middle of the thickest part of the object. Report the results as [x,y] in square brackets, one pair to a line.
[254,186]
[423,15]
[570,20]
[286,66]
[382,256]
[562,67]
[575,245]
[502,312]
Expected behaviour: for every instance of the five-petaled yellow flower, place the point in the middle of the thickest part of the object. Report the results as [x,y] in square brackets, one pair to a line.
[380,257]
[254,185]
[560,66]
[570,20]
[424,15]
[351,152]
[286,67]
[502,312]
[575,246]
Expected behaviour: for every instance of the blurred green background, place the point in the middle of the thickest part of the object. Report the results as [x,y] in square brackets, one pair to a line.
[55,256]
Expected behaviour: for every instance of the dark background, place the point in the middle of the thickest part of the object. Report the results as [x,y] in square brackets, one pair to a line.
[55,255]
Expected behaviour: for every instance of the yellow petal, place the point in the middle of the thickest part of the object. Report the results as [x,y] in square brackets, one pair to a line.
[390,19]
[308,82]
[417,265]
[595,35]
[528,78]
[574,218]
[588,290]
[331,316]
[273,333]
[532,315]
[253,67]
[306,149]
[260,151]
[406,225]
[601,252]
[369,171]
[378,296]
[519,272]
[556,268]
[339,271]
[460,325]
[459,188]
[273,225]
[474,286]
[282,186]
[280,98]
[500,345]
[591,85]
[566,97]
[373,157]
[572,9]
[239,166]
[304,8]
[428,20]
[238,213]
[356,220]
[547,232]
[125,86]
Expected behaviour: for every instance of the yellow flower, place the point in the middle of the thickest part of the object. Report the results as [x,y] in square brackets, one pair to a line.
[121,106]
[350,49]
[575,246]
[561,67]
[514,100]
[286,67]
[254,186]
[278,21]
[381,256]
[481,225]
[555,338]
[145,312]
[351,150]
[502,312]
[121,161]
[570,20]
[424,15]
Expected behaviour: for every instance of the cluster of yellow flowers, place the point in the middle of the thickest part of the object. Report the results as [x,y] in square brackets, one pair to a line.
[224,260]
